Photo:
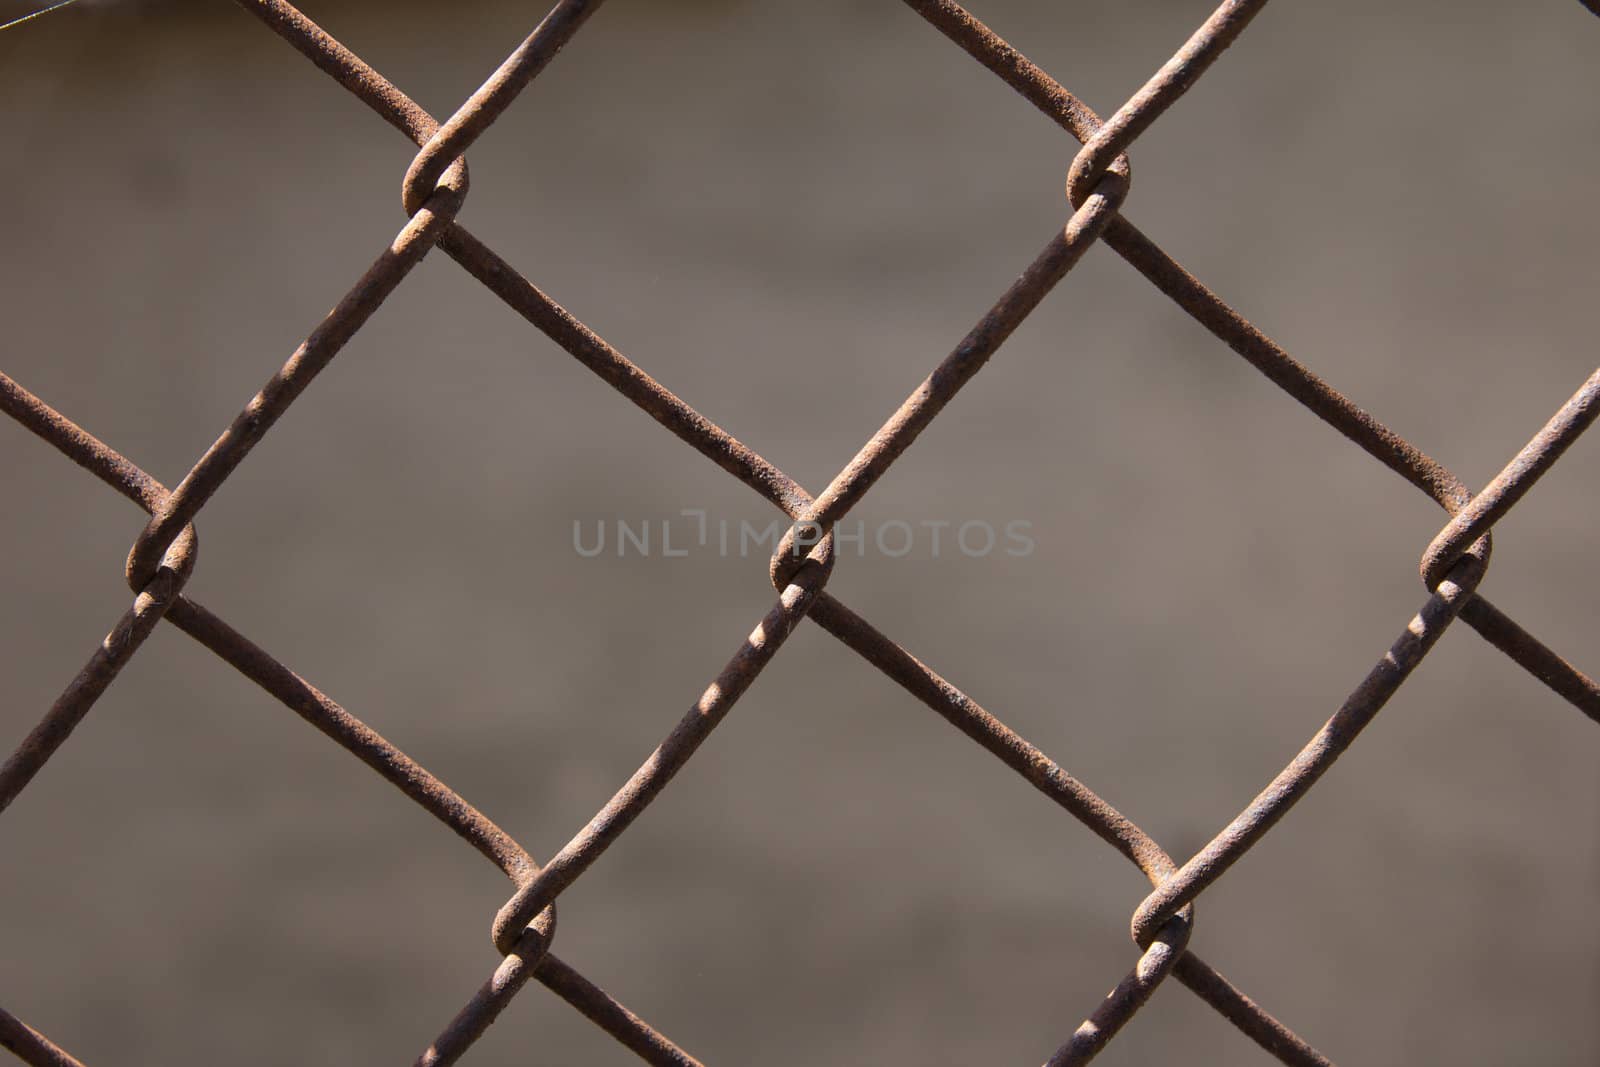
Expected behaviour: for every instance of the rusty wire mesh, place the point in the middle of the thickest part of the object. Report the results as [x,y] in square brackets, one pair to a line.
[1097,186]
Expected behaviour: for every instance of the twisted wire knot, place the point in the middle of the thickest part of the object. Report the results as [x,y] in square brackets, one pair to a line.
[178,557]
[804,545]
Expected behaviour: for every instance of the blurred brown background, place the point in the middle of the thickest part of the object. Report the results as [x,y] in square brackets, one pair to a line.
[788,213]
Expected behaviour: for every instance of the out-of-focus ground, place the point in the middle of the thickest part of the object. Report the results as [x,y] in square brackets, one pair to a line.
[788,213]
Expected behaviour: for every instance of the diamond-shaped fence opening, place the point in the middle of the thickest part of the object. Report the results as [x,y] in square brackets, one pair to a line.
[815,530]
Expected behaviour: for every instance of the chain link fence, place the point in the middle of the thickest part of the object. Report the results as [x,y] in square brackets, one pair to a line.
[1097,191]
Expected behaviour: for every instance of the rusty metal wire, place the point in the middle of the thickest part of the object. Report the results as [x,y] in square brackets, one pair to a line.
[1097,187]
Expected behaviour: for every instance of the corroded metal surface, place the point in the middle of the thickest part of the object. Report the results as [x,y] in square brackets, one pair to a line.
[1098,187]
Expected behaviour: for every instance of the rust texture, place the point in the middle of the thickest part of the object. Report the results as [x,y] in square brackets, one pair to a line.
[1098,186]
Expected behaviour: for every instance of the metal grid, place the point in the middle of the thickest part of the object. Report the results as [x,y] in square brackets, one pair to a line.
[1097,186]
